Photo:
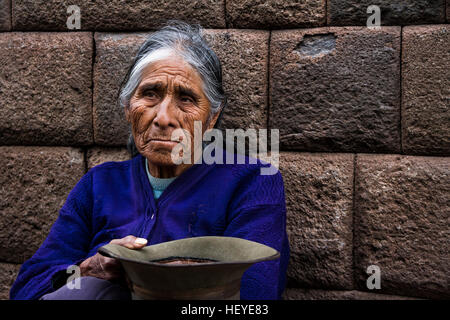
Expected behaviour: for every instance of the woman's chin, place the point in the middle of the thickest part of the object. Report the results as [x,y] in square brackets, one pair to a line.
[159,157]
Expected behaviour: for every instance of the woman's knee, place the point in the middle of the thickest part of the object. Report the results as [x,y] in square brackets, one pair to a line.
[90,288]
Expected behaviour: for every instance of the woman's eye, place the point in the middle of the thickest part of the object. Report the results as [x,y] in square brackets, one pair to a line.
[150,94]
[186,99]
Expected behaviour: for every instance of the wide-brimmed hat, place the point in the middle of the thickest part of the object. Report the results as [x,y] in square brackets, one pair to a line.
[192,268]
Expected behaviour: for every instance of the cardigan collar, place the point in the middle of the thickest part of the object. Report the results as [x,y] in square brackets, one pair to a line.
[190,176]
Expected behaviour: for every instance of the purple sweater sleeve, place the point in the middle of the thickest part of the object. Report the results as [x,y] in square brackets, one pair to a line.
[258,213]
[67,244]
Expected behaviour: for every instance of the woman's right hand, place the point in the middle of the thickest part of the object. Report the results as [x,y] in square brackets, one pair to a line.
[106,268]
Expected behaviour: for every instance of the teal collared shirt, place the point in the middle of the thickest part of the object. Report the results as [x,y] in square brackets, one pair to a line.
[158,184]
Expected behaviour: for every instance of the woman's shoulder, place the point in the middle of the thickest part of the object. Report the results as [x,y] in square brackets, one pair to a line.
[112,168]
[263,166]
[256,181]
[250,174]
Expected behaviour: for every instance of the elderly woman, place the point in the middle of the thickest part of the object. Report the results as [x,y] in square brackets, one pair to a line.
[175,79]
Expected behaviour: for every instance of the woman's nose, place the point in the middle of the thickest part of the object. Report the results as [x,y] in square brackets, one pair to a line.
[165,116]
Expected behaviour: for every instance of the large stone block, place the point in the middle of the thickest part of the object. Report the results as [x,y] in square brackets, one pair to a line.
[114,55]
[336,89]
[35,182]
[244,58]
[45,88]
[393,12]
[244,79]
[426,90]
[318,294]
[261,14]
[5,15]
[96,156]
[402,223]
[8,273]
[115,15]
[319,191]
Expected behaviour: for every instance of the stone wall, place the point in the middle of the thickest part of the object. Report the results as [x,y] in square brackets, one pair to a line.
[363,114]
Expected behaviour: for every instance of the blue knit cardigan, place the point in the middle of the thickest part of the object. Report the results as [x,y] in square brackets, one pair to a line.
[115,199]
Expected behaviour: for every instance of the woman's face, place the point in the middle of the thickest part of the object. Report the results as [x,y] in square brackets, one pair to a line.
[170,96]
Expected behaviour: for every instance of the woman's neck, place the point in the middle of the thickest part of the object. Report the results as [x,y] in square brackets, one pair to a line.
[165,172]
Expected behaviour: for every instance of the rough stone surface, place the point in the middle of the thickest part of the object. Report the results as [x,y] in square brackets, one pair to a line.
[35,182]
[336,89]
[5,15]
[114,55]
[243,55]
[45,88]
[317,294]
[262,14]
[319,218]
[8,273]
[96,156]
[426,90]
[116,15]
[393,12]
[402,223]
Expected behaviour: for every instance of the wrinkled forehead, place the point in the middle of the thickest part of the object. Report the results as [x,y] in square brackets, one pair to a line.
[166,61]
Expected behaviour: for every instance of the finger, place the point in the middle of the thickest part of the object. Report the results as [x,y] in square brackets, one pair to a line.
[109,263]
[131,242]
[127,241]
[129,238]
[140,242]
[112,269]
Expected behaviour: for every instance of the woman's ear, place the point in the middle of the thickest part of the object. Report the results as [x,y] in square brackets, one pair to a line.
[127,113]
[214,119]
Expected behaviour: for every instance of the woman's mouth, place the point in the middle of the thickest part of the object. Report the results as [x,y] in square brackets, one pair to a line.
[163,142]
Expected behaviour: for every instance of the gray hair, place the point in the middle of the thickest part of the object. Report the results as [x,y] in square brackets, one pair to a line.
[187,41]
